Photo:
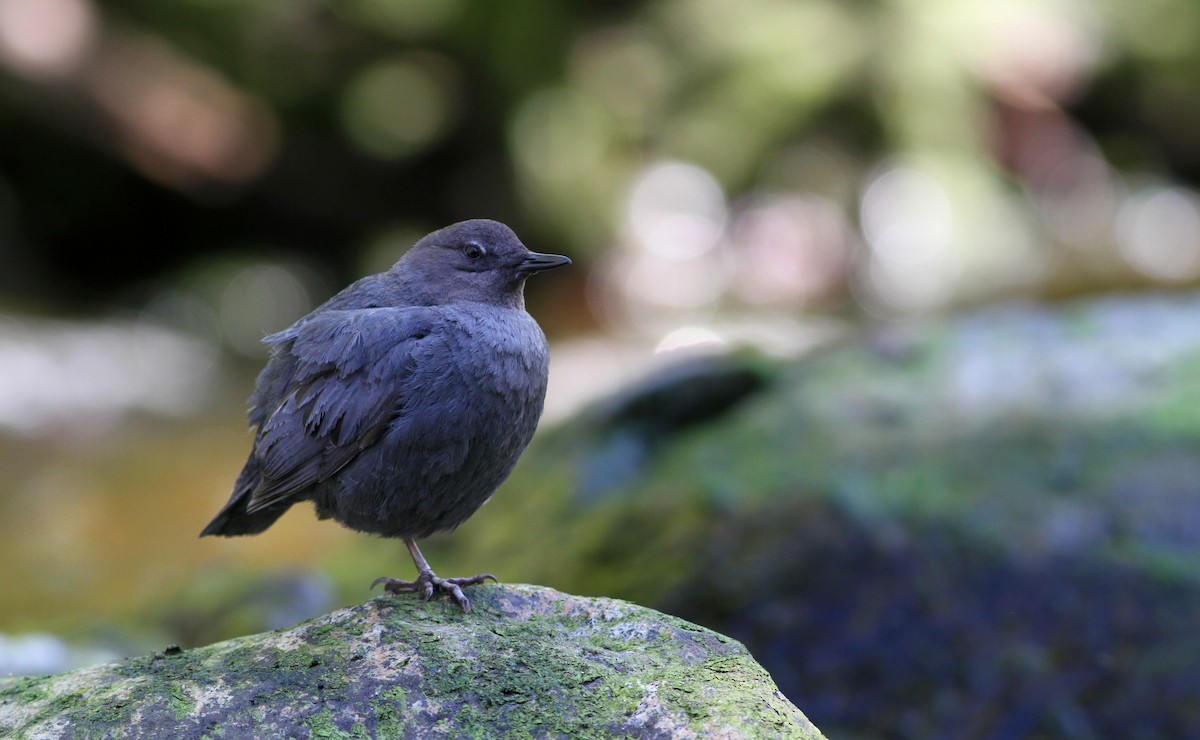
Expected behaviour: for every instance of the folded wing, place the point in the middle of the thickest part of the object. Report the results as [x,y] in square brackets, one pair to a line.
[333,386]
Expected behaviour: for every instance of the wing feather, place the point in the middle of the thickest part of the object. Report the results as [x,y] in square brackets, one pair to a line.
[334,384]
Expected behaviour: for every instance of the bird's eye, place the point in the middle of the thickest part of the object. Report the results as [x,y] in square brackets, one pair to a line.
[473,251]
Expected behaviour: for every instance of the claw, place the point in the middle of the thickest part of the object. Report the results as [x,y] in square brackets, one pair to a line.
[426,583]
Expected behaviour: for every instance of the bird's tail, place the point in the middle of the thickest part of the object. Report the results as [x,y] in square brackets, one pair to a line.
[233,519]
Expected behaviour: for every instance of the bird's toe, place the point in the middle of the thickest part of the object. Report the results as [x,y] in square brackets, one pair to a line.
[427,583]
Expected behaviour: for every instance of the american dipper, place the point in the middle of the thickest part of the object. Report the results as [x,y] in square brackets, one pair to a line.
[402,403]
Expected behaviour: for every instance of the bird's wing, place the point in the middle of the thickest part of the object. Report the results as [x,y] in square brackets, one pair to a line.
[334,384]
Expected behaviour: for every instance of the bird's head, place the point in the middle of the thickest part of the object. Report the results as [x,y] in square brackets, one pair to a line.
[477,260]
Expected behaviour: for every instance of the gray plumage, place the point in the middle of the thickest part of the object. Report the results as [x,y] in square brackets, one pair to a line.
[402,403]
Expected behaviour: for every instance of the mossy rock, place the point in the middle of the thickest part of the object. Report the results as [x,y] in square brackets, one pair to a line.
[525,662]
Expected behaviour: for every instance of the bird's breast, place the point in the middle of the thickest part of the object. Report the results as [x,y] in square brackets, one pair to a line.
[508,351]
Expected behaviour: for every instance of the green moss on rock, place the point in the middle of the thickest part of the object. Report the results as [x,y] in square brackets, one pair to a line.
[526,662]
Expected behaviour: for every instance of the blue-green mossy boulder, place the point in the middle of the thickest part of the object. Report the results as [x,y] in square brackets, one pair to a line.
[525,662]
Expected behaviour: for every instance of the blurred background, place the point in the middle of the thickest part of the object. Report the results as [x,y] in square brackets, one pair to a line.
[881,343]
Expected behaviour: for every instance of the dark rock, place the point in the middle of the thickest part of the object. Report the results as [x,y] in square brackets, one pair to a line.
[634,424]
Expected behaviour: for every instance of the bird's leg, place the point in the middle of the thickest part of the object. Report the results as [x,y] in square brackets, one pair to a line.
[426,580]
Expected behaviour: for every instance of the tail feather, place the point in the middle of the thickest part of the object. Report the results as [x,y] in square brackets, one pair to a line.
[233,519]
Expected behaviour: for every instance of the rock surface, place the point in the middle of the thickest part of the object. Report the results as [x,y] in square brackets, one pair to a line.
[525,662]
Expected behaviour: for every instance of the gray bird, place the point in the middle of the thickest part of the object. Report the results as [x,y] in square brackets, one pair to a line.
[402,403]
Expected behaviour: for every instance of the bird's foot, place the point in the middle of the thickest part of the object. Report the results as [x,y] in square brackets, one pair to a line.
[426,583]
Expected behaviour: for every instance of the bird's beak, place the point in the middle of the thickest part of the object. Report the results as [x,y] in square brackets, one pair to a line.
[537,262]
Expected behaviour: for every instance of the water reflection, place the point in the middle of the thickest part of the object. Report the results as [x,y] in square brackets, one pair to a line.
[80,378]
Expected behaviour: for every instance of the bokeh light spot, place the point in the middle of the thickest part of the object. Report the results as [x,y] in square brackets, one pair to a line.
[259,299]
[789,250]
[46,37]
[1158,233]
[398,107]
[908,220]
[558,137]
[676,210]
[388,245]
[689,337]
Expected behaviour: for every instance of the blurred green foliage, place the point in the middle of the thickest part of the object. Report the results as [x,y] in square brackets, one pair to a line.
[173,129]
